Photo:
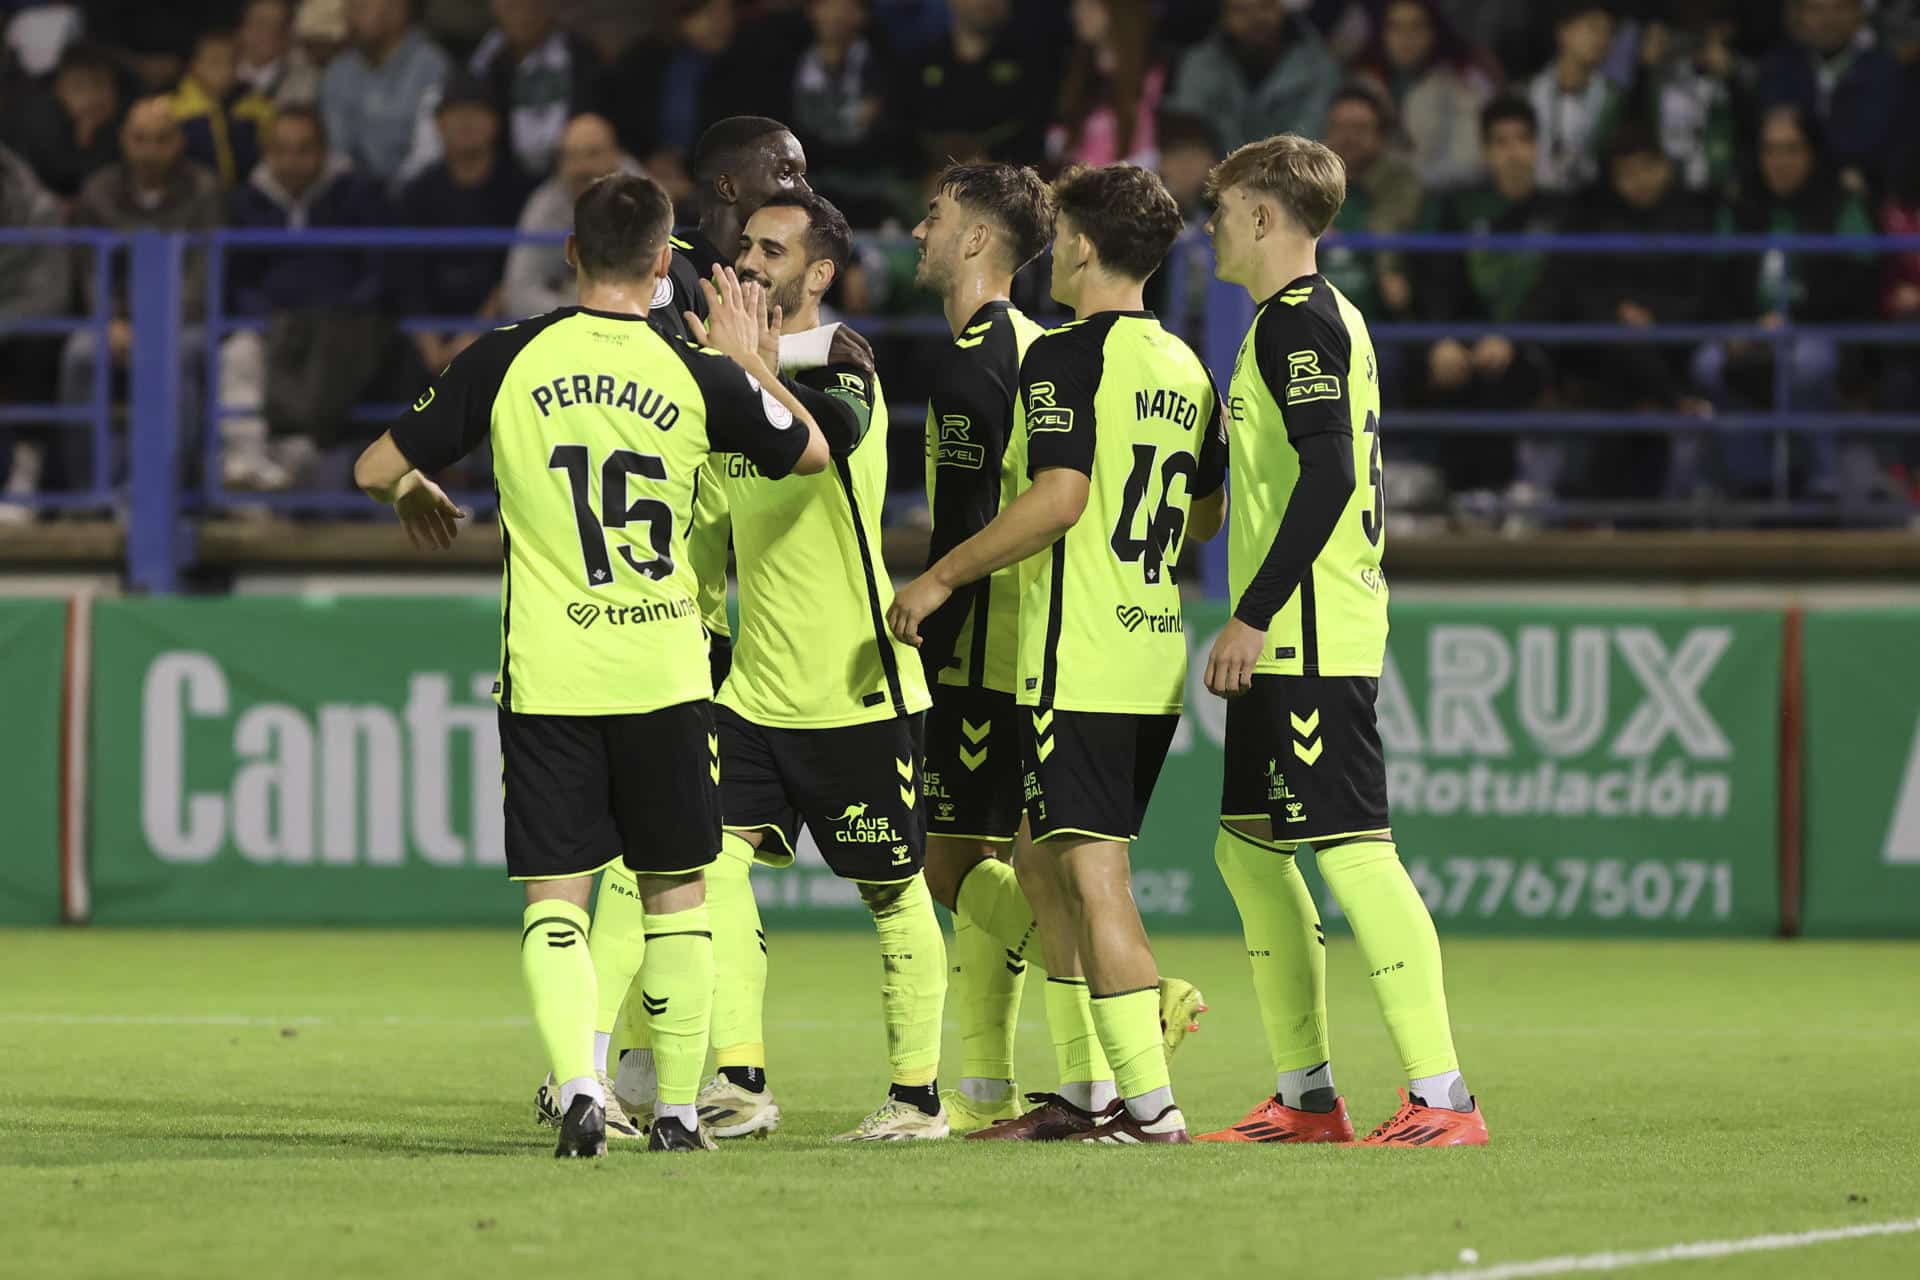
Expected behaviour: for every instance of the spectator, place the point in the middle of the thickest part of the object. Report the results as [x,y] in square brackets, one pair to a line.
[319,36]
[372,96]
[538,278]
[69,133]
[979,89]
[1429,75]
[1383,196]
[33,284]
[474,185]
[837,111]
[662,92]
[1642,195]
[1488,287]
[1575,104]
[1187,156]
[1900,304]
[154,39]
[222,117]
[323,343]
[1112,88]
[1835,71]
[1700,93]
[538,77]
[155,188]
[1797,193]
[264,47]
[1261,72]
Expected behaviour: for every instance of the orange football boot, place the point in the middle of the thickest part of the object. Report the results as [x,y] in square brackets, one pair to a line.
[1415,1125]
[1272,1121]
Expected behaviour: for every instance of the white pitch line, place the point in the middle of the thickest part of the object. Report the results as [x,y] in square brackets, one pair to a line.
[1612,1261]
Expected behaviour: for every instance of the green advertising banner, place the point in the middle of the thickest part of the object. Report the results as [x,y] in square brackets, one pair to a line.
[1578,771]
[1861,868]
[280,761]
[33,651]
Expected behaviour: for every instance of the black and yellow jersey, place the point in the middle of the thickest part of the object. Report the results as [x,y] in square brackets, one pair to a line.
[1307,370]
[813,650]
[973,640]
[1119,398]
[598,424]
[678,293]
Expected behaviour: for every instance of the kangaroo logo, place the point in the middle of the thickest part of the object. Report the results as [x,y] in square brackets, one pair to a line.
[854,812]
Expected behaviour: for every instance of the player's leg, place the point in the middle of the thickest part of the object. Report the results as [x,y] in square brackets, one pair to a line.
[972,807]
[859,789]
[559,833]
[1285,944]
[1337,780]
[1085,1079]
[615,945]
[666,807]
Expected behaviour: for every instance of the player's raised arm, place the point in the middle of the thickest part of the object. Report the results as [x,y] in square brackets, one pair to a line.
[736,326]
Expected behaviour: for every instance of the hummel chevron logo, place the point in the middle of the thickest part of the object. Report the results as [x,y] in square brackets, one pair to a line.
[904,768]
[1309,751]
[1308,727]
[654,1005]
[975,733]
[907,796]
[1295,297]
[1309,747]
[1044,749]
[1043,720]
[972,760]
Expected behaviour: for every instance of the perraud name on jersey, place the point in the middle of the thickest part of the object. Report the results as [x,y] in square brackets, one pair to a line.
[571,390]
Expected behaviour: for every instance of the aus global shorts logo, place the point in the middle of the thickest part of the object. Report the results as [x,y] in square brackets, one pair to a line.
[584,615]
[855,827]
[1133,617]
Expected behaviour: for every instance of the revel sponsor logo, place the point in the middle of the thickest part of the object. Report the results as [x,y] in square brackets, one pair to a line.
[584,615]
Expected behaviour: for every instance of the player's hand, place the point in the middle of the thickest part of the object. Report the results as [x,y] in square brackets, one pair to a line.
[770,340]
[850,348]
[429,516]
[914,604]
[736,317]
[1230,665]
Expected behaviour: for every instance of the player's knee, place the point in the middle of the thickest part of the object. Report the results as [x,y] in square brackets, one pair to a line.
[881,898]
[665,895]
[948,863]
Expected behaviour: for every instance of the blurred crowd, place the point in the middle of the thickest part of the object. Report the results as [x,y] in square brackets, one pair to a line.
[1585,116]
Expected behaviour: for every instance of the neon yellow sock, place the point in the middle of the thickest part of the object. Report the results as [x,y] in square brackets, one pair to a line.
[913,991]
[990,896]
[559,974]
[676,988]
[988,977]
[739,958]
[1076,1042]
[1129,1027]
[1285,945]
[1402,950]
[617,943]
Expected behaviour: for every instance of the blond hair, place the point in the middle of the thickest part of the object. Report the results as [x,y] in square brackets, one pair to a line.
[1306,177]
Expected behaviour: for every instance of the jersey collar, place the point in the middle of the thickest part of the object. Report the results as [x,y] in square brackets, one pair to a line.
[1306,281]
[987,311]
[608,315]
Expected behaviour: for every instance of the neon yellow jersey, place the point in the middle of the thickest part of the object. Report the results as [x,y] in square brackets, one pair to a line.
[1119,398]
[972,474]
[599,424]
[707,543]
[1311,343]
[813,650]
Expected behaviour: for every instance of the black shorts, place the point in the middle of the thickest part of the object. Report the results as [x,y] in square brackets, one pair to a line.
[857,788]
[973,764]
[583,792]
[1091,773]
[1304,752]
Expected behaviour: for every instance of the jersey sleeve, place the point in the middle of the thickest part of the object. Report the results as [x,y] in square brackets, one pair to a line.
[840,398]
[454,414]
[742,416]
[1304,355]
[971,408]
[1211,472]
[1058,381]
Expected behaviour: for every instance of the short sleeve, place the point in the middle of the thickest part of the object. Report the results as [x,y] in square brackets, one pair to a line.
[453,415]
[1058,382]
[742,416]
[1303,356]
[1211,472]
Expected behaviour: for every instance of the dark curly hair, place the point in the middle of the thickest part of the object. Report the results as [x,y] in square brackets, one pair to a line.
[1126,211]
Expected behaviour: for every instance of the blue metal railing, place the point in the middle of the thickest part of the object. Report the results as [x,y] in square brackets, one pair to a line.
[159,492]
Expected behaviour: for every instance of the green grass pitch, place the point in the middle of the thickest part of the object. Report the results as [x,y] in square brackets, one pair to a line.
[359,1104]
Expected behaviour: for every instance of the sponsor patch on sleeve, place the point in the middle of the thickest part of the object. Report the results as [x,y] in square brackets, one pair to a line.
[1305,382]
